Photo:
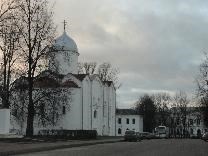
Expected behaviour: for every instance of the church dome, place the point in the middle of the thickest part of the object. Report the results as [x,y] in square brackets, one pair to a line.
[64,42]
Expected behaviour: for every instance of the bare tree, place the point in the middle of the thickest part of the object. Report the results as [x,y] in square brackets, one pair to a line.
[37,33]
[162,102]
[9,46]
[6,6]
[49,103]
[80,68]
[105,71]
[181,102]
[202,88]
[87,68]
[18,105]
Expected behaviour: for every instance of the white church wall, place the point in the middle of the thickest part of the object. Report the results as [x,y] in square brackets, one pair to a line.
[112,110]
[105,111]
[97,106]
[86,104]
[4,121]
[72,120]
[17,126]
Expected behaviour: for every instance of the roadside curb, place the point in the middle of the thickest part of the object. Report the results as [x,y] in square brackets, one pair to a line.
[55,147]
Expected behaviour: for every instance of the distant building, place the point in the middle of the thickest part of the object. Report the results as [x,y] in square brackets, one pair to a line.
[128,119]
[192,125]
[195,122]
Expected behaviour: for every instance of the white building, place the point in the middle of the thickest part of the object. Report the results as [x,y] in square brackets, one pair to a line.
[195,121]
[128,119]
[93,102]
[194,124]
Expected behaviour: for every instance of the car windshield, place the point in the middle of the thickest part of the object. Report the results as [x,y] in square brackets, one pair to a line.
[130,132]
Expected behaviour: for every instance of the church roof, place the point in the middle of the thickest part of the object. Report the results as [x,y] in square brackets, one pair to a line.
[126,112]
[69,84]
[51,73]
[46,82]
[80,76]
[47,79]
[21,83]
[64,42]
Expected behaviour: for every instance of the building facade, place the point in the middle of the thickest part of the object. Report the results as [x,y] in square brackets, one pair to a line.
[189,124]
[128,119]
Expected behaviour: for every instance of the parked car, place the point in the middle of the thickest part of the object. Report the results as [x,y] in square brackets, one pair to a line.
[205,136]
[131,135]
[147,135]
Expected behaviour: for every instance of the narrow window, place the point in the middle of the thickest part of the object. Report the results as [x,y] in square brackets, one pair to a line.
[95,114]
[64,110]
[127,121]
[119,120]
[119,131]
[133,121]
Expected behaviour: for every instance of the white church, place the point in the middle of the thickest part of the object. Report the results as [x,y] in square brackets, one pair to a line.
[92,101]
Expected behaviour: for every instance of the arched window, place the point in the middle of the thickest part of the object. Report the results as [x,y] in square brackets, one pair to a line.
[119,131]
[133,121]
[95,114]
[127,120]
[119,120]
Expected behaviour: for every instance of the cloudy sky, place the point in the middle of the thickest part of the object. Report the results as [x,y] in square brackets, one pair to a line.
[157,44]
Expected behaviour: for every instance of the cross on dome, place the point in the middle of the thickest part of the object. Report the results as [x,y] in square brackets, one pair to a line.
[65,42]
[65,23]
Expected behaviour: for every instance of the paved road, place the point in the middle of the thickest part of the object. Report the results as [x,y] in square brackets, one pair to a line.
[161,147]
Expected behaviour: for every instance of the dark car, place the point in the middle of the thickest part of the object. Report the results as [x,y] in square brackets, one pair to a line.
[131,135]
[147,135]
[205,136]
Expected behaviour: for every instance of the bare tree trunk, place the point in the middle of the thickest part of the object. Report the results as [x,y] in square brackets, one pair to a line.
[31,113]
[37,32]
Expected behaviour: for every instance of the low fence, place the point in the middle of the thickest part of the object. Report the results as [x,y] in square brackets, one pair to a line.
[68,134]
